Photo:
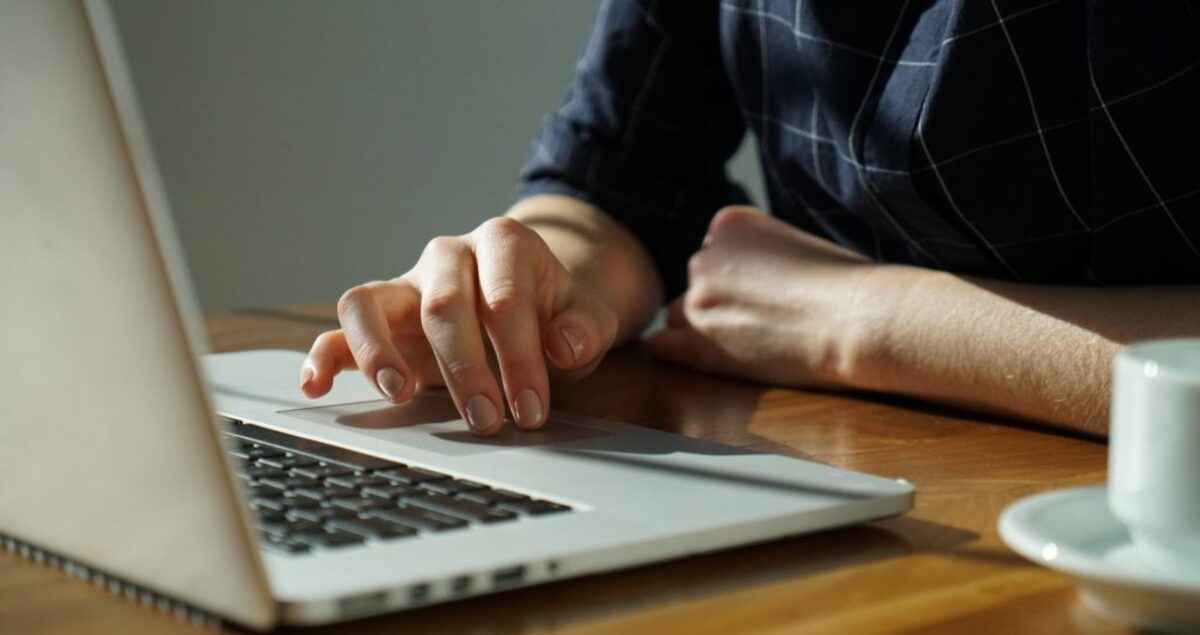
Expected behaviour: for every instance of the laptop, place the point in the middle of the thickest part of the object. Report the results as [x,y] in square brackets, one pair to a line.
[206,485]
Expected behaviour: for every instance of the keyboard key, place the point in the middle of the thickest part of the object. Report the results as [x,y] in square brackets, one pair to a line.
[274,502]
[283,526]
[288,482]
[322,451]
[372,528]
[452,487]
[286,545]
[533,507]
[360,505]
[351,459]
[270,519]
[418,518]
[287,462]
[393,491]
[410,475]
[264,491]
[321,514]
[300,502]
[492,496]
[356,481]
[260,452]
[264,515]
[467,510]
[321,471]
[255,472]
[324,493]
[276,524]
[320,494]
[329,538]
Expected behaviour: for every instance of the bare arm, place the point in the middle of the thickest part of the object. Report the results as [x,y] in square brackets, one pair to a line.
[1038,352]
[770,302]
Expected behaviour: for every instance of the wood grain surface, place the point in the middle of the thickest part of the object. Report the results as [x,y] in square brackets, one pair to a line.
[939,569]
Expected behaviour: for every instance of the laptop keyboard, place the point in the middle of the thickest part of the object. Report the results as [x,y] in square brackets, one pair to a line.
[309,496]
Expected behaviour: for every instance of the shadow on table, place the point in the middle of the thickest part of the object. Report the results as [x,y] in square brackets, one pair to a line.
[630,387]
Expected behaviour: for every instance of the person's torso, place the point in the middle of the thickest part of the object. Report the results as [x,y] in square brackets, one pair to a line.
[1044,141]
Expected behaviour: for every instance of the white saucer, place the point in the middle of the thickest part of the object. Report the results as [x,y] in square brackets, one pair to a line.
[1072,531]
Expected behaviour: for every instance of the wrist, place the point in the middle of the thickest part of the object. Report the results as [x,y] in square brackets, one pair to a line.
[599,255]
[884,309]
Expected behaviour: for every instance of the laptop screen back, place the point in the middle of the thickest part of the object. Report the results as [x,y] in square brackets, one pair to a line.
[108,454]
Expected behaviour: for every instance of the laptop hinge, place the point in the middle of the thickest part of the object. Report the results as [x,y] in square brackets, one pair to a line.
[111,583]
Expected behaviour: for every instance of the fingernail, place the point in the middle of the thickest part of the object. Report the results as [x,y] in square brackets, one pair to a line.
[573,340]
[390,381]
[528,408]
[306,375]
[481,413]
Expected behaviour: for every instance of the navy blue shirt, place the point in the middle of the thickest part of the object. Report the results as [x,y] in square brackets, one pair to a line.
[1051,141]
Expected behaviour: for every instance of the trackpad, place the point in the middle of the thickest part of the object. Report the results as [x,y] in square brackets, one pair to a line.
[429,422]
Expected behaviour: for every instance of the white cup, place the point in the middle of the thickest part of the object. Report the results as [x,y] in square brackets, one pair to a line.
[1154,450]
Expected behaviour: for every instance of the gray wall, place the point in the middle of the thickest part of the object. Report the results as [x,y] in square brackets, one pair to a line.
[308,145]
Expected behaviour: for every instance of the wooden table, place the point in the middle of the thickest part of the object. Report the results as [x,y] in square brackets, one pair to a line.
[939,569]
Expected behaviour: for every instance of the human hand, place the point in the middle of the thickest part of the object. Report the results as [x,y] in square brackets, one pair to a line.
[772,303]
[427,327]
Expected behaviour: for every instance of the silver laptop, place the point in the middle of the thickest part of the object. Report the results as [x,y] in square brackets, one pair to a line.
[208,485]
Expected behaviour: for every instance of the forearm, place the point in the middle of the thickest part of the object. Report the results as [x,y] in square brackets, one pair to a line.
[1037,352]
[599,253]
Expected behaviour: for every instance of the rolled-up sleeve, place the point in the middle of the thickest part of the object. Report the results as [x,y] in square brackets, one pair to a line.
[646,129]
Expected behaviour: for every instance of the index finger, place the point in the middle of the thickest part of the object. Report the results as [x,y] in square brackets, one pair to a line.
[328,356]
[366,313]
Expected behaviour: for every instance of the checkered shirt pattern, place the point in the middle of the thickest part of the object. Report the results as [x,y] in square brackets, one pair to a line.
[1046,141]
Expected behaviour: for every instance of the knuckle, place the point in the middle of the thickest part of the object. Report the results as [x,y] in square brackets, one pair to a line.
[443,245]
[366,351]
[730,218]
[699,264]
[458,371]
[324,339]
[352,299]
[442,303]
[503,299]
[503,227]
[698,299]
